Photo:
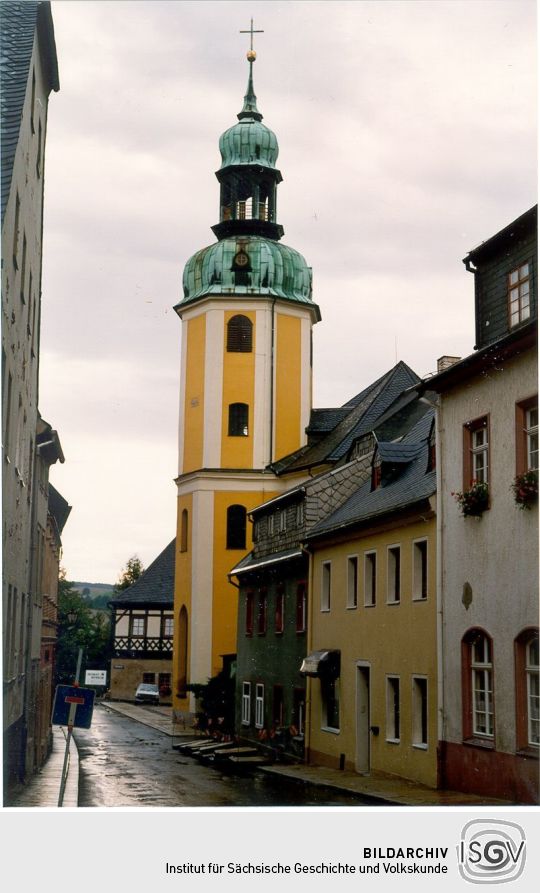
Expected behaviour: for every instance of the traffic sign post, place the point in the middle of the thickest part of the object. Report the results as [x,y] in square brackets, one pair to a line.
[73,707]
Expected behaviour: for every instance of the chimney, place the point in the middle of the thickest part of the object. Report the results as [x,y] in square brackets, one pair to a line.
[445,362]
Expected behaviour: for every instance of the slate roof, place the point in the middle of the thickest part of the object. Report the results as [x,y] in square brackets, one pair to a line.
[364,411]
[18,21]
[398,453]
[324,420]
[408,487]
[155,587]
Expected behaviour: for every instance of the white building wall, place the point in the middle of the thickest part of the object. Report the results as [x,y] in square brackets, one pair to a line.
[496,554]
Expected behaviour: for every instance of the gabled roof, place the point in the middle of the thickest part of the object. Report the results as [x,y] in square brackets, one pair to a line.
[18,22]
[155,587]
[363,412]
[408,487]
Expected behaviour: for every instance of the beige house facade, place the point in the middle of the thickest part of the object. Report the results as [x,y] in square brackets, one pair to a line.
[372,661]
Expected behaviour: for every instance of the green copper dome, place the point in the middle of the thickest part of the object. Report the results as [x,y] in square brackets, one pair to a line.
[248,142]
[272,269]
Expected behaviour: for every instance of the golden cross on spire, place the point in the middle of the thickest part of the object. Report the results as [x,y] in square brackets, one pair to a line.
[252,32]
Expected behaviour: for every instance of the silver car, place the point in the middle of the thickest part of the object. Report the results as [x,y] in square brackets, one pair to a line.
[147,693]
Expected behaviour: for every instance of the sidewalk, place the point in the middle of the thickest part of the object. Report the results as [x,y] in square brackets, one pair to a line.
[42,790]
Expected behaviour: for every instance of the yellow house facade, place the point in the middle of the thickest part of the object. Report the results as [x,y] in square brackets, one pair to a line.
[245,393]
[372,659]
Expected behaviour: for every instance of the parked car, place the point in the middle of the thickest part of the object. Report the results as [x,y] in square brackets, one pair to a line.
[147,693]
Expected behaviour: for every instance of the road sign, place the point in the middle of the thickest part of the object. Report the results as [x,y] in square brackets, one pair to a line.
[79,700]
[96,677]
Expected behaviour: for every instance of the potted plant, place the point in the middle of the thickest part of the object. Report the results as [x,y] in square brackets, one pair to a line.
[473,501]
[525,489]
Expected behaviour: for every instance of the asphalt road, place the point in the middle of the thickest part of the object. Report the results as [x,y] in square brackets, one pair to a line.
[125,763]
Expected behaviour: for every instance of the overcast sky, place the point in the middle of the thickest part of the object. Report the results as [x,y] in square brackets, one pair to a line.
[407,136]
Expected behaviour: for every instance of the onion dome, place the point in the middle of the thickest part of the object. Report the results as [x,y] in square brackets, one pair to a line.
[249,267]
[248,142]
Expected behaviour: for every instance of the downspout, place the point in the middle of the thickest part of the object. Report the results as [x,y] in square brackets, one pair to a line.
[309,681]
[441,756]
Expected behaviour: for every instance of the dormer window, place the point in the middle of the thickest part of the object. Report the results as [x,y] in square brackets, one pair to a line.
[519,295]
[376,474]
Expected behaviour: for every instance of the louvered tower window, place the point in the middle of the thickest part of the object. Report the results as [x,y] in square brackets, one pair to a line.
[239,335]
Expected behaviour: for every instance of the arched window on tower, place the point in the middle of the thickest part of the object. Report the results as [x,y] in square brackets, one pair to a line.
[239,334]
[238,420]
[236,527]
[184,531]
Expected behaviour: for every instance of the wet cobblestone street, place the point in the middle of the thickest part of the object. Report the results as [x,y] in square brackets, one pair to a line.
[125,763]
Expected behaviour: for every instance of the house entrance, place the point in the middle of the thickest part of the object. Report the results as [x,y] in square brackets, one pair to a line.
[363,756]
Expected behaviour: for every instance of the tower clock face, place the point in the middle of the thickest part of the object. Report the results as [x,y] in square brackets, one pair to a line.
[241,259]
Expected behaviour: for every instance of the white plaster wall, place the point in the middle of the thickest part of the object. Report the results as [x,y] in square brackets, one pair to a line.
[498,554]
[263,372]
[201,587]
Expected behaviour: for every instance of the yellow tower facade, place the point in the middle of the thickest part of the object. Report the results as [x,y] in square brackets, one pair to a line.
[245,392]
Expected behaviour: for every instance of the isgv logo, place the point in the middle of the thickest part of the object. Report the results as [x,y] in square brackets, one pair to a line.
[491,851]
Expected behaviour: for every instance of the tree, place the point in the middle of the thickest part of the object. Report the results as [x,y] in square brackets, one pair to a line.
[130,573]
[216,701]
[86,629]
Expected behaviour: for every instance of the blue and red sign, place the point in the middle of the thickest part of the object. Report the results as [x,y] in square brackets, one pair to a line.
[80,701]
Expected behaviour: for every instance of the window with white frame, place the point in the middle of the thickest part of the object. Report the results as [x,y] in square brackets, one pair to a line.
[168,627]
[531,434]
[393,590]
[519,295]
[259,705]
[138,626]
[480,454]
[352,581]
[420,569]
[482,687]
[326,585]
[246,703]
[393,709]
[476,452]
[533,692]
[370,578]
[419,711]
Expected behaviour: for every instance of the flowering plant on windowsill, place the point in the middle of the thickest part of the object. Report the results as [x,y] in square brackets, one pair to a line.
[474,501]
[525,489]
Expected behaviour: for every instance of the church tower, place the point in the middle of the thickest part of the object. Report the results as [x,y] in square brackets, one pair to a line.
[245,390]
